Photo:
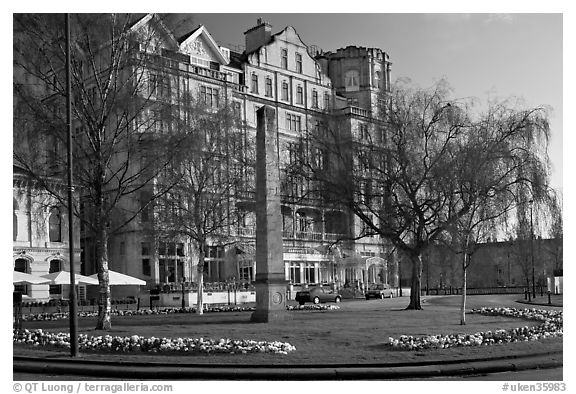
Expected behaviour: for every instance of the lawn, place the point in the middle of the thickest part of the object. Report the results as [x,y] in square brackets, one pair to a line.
[356,333]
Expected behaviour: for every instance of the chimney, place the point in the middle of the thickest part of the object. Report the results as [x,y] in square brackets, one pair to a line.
[258,35]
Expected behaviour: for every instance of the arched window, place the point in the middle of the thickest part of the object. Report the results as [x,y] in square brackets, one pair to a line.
[22,265]
[55,225]
[15,220]
[55,266]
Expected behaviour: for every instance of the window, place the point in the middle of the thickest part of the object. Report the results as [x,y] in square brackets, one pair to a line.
[237,108]
[309,273]
[209,96]
[314,99]
[21,265]
[122,248]
[145,248]
[55,266]
[254,86]
[55,225]
[159,123]
[326,100]
[284,59]
[15,220]
[294,272]
[170,263]
[352,80]
[268,88]
[146,268]
[304,222]
[299,63]
[378,79]
[293,122]
[363,131]
[299,95]
[159,85]
[214,263]
[145,206]
[245,271]
[284,91]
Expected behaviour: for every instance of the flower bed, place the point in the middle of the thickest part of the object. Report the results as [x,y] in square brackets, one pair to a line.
[552,326]
[137,343]
[142,312]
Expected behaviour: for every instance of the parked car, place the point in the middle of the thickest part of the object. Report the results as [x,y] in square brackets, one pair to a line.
[379,290]
[317,295]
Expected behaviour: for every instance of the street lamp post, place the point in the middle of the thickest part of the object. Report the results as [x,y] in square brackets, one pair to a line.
[73,313]
[532,250]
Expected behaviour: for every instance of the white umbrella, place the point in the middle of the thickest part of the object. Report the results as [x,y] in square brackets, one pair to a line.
[118,279]
[63,278]
[21,278]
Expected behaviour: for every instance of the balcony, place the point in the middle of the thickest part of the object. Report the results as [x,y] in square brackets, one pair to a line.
[356,111]
[250,232]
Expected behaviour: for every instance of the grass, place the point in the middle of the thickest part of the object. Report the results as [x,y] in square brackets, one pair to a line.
[356,333]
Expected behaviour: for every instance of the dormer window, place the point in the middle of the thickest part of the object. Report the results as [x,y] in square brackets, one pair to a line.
[299,63]
[284,58]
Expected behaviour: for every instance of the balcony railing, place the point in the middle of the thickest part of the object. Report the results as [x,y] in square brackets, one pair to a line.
[350,110]
[287,234]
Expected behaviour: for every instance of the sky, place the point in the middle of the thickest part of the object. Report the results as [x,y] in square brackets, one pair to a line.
[481,55]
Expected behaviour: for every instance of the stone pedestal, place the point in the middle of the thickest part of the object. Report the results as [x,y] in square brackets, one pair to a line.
[270,281]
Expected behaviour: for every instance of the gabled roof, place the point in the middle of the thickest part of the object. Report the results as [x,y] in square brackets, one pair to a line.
[159,23]
[202,31]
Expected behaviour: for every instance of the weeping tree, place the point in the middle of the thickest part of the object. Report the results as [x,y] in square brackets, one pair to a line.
[396,174]
[426,165]
[122,104]
[209,174]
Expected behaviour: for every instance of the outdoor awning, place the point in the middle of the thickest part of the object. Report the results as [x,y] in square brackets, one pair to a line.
[63,278]
[119,279]
[21,278]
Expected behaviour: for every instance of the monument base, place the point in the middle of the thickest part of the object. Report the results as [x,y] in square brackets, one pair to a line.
[270,302]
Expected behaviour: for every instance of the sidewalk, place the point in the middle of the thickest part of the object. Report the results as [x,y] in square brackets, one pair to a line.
[85,368]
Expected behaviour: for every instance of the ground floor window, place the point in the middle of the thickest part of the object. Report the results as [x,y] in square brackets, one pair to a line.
[171,270]
[294,273]
[21,265]
[55,266]
[309,273]
[246,271]
[302,272]
[214,271]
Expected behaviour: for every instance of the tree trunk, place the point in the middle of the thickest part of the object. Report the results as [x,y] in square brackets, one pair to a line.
[200,270]
[463,304]
[104,304]
[416,285]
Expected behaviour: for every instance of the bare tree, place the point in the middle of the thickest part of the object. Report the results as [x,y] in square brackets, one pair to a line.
[209,175]
[422,169]
[122,107]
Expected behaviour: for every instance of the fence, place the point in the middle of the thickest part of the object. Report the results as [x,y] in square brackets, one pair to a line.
[476,290]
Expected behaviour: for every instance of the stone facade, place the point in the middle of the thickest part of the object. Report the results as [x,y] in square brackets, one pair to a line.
[279,71]
[40,238]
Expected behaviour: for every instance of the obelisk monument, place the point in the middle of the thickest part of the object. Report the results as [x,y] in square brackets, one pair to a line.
[270,281]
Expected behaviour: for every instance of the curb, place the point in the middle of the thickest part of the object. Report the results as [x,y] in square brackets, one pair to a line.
[157,371]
